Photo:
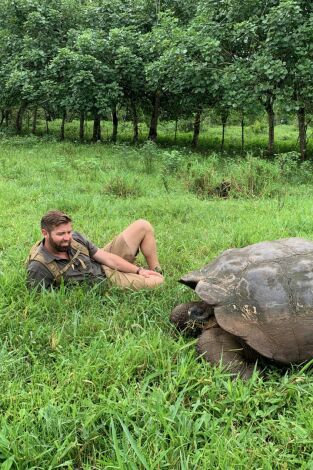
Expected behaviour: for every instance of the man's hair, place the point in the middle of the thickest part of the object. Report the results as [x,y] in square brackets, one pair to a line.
[54,218]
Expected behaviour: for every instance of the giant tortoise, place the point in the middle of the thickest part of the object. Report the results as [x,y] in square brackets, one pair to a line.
[256,301]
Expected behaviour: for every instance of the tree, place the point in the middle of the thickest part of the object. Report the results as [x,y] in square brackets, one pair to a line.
[289,39]
[129,71]
[187,66]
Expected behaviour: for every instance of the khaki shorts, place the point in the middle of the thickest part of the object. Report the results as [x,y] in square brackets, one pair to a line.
[118,246]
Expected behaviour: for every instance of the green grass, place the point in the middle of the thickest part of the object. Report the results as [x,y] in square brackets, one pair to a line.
[93,379]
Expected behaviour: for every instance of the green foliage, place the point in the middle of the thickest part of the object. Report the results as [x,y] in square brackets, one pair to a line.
[256,177]
[248,177]
[172,162]
[87,60]
[120,186]
[203,179]
[293,169]
[258,127]
[149,154]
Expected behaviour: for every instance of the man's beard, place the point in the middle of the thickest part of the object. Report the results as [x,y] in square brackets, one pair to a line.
[57,247]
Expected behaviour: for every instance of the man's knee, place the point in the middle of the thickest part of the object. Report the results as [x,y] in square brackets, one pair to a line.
[144,225]
[154,281]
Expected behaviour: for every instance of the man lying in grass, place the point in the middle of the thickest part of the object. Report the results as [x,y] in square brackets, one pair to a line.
[64,254]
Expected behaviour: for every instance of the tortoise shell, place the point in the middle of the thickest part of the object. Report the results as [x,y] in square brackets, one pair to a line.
[263,293]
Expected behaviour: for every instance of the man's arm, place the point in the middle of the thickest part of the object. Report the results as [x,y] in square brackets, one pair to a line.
[38,276]
[120,264]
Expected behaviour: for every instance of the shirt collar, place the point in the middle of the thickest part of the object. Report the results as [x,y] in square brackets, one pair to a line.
[46,254]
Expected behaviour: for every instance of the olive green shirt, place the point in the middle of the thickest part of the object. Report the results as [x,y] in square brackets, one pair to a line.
[83,269]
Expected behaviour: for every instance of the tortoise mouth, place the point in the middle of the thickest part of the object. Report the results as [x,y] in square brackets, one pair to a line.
[191,284]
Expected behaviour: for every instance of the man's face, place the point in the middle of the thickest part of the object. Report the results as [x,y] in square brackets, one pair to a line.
[59,238]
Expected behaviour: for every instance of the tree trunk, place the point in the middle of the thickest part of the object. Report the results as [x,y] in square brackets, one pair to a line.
[2,117]
[81,127]
[34,123]
[7,118]
[27,121]
[269,106]
[115,125]
[135,122]
[176,126]
[96,128]
[242,132]
[62,130]
[154,118]
[196,129]
[302,133]
[19,118]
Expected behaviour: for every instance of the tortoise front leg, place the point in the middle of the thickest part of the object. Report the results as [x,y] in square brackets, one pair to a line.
[218,346]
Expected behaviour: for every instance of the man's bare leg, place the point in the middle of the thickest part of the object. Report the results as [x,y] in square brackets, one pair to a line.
[140,234]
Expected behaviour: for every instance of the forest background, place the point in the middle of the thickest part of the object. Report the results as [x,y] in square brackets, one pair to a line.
[140,61]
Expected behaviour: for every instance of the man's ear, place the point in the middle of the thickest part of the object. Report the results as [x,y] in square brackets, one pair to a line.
[44,232]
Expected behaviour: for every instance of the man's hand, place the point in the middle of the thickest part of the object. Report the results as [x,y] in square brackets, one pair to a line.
[120,264]
[148,273]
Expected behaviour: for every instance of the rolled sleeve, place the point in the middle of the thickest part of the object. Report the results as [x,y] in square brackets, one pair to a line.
[91,247]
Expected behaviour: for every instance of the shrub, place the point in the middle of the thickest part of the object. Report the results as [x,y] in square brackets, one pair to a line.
[306,171]
[119,186]
[258,127]
[288,164]
[149,154]
[202,179]
[254,177]
[172,162]
[249,177]
[293,170]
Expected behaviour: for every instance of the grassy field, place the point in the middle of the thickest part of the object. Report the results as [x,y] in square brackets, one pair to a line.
[98,378]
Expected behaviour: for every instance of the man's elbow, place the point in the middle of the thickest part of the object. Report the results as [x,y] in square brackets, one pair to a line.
[37,283]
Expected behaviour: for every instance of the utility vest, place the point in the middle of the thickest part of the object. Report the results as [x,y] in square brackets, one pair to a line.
[52,266]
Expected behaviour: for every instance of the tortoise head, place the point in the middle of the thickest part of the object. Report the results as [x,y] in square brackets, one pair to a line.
[216,281]
[200,312]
